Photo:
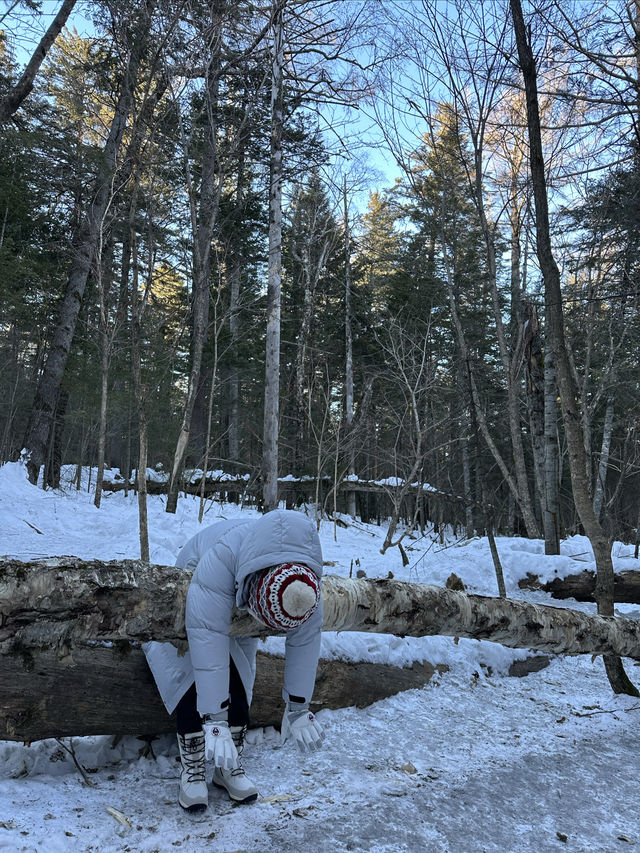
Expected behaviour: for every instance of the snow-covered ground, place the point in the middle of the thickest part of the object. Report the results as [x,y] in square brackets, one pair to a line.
[474,761]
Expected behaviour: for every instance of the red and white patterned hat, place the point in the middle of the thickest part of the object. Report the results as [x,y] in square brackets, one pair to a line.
[283,597]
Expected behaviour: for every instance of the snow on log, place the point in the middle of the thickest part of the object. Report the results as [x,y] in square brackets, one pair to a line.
[581,586]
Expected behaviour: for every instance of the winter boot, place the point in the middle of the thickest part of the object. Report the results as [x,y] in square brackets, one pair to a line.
[193,796]
[235,782]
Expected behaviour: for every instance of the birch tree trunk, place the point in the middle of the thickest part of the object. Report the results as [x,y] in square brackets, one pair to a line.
[85,241]
[551,501]
[348,345]
[105,269]
[272,361]
[234,278]
[557,342]
[603,464]
[534,367]
[212,386]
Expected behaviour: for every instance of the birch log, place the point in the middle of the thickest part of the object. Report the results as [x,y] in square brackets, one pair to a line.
[62,601]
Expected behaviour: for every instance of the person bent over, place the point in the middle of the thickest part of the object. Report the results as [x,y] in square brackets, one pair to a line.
[272,567]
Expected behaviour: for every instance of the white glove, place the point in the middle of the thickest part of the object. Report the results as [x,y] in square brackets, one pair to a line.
[218,744]
[300,723]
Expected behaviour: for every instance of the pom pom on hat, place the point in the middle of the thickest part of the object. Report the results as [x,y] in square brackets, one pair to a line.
[283,597]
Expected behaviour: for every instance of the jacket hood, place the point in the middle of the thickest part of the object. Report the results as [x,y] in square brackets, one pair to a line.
[280,536]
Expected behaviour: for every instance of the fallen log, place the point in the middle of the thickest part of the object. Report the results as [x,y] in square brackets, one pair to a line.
[582,586]
[100,689]
[64,601]
[56,614]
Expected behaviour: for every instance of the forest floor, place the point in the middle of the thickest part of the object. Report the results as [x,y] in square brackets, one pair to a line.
[474,761]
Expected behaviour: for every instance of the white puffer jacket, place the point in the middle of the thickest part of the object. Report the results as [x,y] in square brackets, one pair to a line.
[222,557]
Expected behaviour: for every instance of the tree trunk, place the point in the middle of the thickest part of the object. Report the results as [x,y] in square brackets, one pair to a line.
[143,520]
[105,270]
[551,500]
[234,279]
[598,497]
[137,310]
[210,188]
[466,477]
[557,343]
[301,354]
[67,666]
[272,360]
[534,367]
[207,442]
[17,94]
[348,338]
[53,464]
[85,242]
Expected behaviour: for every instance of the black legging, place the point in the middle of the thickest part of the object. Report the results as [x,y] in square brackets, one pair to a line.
[188,718]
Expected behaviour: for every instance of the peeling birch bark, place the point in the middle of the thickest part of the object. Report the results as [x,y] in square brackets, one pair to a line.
[63,601]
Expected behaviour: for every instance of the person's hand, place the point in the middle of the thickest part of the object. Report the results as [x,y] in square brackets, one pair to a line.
[300,724]
[218,744]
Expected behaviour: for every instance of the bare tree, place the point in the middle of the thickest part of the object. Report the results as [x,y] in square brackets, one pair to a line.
[274,283]
[408,354]
[203,223]
[557,342]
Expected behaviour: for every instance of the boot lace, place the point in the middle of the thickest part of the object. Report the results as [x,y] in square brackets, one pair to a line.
[237,734]
[193,760]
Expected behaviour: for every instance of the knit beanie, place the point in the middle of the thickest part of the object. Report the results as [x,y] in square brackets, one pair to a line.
[284,596]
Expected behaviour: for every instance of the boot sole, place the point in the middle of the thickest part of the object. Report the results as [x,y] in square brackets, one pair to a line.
[195,808]
[242,800]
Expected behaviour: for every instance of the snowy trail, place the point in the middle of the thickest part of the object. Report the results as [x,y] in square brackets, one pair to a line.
[504,765]
[475,761]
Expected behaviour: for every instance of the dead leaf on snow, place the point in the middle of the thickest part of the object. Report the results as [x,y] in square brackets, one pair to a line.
[119,816]
[408,768]
[302,812]
[275,798]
